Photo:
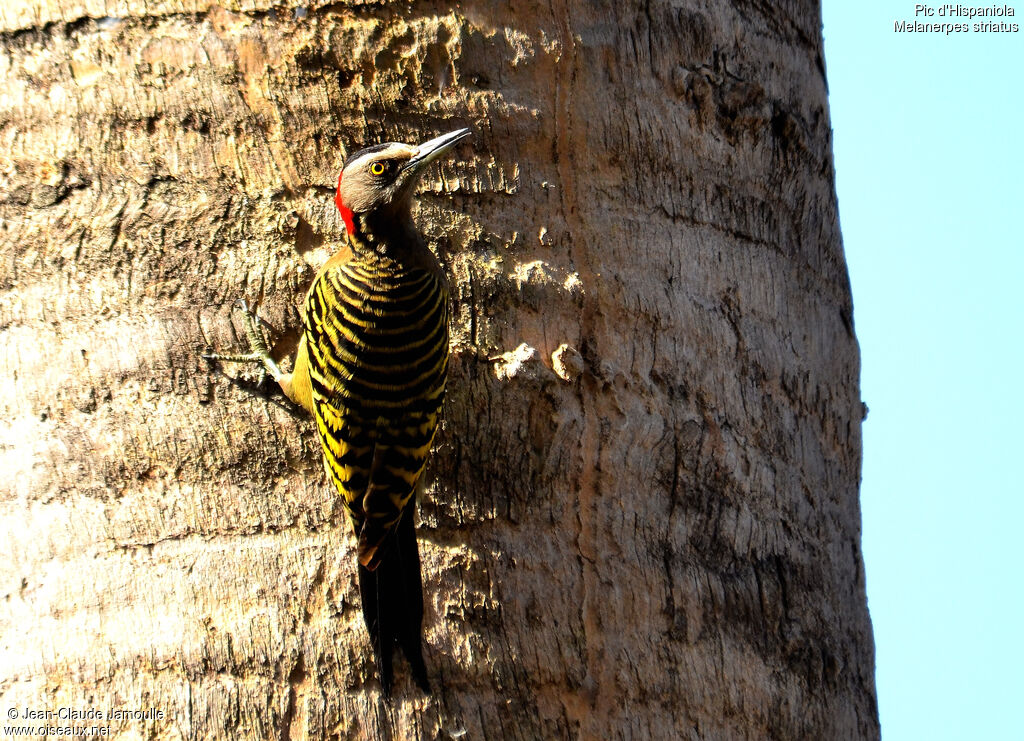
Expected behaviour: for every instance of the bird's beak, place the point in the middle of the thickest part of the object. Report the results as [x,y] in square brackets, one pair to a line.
[429,151]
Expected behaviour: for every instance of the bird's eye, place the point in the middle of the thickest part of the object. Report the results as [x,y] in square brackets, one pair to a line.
[377,168]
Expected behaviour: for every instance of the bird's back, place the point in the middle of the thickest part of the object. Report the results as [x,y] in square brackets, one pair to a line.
[377,341]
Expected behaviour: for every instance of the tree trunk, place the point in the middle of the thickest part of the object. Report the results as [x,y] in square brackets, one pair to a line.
[642,520]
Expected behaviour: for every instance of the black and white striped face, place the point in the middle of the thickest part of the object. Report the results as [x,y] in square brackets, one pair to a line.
[382,177]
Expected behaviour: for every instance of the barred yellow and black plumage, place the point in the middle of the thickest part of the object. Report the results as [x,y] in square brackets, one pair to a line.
[376,353]
[377,342]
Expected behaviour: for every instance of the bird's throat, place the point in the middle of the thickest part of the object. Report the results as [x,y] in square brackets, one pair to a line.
[390,235]
[388,231]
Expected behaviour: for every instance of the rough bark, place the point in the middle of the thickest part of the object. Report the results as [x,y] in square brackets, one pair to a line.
[643,520]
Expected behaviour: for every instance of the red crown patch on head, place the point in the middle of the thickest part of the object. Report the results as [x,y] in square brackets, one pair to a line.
[345,211]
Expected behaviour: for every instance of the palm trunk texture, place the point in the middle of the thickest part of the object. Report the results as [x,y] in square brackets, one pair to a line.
[642,519]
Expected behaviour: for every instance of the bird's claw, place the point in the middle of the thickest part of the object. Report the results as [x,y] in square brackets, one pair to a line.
[259,353]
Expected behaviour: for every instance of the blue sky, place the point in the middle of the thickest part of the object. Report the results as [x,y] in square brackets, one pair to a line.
[929,150]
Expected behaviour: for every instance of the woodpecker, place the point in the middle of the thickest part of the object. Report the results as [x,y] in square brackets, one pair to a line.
[371,368]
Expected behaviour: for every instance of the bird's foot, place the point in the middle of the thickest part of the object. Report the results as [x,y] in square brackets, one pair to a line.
[259,352]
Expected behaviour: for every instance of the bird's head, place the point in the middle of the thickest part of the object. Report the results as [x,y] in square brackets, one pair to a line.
[380,180]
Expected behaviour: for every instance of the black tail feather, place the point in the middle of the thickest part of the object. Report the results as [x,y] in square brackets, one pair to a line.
[392,596]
